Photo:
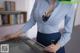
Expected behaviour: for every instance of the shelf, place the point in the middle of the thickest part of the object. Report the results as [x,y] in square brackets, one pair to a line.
[13,12]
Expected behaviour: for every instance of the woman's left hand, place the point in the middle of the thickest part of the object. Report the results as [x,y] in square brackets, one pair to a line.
[52,48]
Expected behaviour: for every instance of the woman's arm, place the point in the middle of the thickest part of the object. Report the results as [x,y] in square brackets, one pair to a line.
[69,19]
[32,20]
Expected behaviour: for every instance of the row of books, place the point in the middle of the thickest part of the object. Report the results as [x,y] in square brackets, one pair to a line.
[9,5]
[12,19]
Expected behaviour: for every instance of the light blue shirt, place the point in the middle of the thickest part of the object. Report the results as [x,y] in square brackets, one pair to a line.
[61,12]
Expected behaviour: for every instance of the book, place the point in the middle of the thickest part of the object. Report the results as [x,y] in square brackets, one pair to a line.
[0,20]
[25,18]
[19,19]
[22,18]
[13,6]
[5,19]
[7,6]
[13,19]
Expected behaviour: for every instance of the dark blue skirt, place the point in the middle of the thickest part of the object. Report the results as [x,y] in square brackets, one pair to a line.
[47,39]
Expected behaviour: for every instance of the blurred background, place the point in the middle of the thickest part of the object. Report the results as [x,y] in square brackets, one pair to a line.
[26,5]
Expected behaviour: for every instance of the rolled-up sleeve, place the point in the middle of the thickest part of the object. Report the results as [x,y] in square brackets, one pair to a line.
[66,35]
[32,20]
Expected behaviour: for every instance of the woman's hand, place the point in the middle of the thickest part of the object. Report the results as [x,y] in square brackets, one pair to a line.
[10,36]
[52,48]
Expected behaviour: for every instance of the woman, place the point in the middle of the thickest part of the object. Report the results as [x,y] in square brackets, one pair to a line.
[48,14]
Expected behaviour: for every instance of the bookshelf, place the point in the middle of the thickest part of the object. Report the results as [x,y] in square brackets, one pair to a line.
[8,18]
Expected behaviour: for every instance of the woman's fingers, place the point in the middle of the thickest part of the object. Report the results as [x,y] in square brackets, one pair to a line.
[51,48]
[48,49]
[11,36]
[7,37]
[1,37]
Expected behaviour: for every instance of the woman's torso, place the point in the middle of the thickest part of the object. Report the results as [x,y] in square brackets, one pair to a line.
[52,24]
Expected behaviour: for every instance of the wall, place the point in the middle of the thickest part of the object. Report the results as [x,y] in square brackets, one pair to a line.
[77,20]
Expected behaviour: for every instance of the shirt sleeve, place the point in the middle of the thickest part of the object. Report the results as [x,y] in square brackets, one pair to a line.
[66,35]
[31,22]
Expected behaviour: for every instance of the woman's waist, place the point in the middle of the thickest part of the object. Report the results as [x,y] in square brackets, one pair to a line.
[48,30]
[47,33]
